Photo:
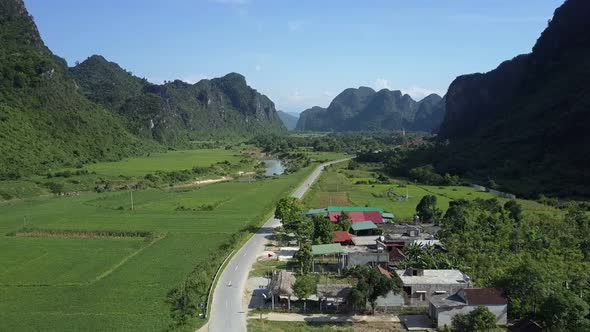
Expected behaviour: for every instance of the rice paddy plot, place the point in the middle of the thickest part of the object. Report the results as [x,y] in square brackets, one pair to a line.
[71,283]
[168,161]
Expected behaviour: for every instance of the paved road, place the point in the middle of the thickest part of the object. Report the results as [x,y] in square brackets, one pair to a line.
[228,312]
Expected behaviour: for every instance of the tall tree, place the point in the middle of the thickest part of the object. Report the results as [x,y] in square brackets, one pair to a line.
[323,230]
[344,222]
[305,285]
[304,256]
[426,208]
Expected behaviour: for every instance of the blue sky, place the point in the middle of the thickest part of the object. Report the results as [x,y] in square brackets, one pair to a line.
[300,53]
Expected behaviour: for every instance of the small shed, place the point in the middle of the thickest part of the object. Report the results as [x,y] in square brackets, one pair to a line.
[328,255]
[281,287]
[333,296]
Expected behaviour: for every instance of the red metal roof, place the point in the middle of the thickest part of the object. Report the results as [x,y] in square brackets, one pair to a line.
[383,272]
[342,236]
[358,216]
[484,296]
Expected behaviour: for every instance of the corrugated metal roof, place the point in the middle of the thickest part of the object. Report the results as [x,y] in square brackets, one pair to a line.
[484,296]
[353,208]
[363,225]
[326,249]
[316,211]
[387,215]
[342,236]
[358,216]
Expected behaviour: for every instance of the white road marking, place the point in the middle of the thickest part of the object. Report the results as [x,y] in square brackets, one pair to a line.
[236,268]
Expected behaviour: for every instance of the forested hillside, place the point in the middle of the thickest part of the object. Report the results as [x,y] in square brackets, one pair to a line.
[176,113]
[527,122]
[44,121]
[364,109]
[53,116]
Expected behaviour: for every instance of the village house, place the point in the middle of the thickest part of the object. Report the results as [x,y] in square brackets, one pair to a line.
[420,285]
[333,297]
[281,289]
[444,307]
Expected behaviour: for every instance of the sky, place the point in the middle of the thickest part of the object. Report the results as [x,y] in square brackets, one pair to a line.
[300,53]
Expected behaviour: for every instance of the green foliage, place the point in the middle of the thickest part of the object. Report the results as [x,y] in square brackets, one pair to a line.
[305,286]
[427,210]
[371,284]
[427,257]
[56,188]
[530,258]
[480,319]
[323,230]
[44,121]
[344,223]
[564,311]
[304,257]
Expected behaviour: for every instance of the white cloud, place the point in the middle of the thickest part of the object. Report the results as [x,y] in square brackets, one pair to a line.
[258,67]
[295,25]
[295,96]
[328,93]
[380,84]
[417,93]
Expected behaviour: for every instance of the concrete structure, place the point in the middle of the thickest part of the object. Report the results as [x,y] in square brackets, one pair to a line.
[355,255]
[365,240]
[444,307]
[287,253]
[420,285]
[390,301]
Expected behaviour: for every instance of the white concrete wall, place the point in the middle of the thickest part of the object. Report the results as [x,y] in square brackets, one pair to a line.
[445,317]
[390,300]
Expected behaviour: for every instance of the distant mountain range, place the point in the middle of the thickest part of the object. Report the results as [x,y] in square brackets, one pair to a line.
[528,121]
[365,109]
[177,112]
[53,116]
[289,119]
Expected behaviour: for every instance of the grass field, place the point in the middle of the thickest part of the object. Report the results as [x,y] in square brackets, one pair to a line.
[257,325]
[338,186]
[169,161]
[119,284]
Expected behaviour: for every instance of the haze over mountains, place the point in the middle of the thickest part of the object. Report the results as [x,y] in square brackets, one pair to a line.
[289,119]
[365,109]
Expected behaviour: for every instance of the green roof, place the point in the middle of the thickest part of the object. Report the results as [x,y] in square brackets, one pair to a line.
[363,225]
[387,215]
[326,249]
[317,211]
[352,209]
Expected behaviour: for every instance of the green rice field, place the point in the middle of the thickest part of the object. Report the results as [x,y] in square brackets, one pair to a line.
[62,283]
[338,186]
[167,161]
